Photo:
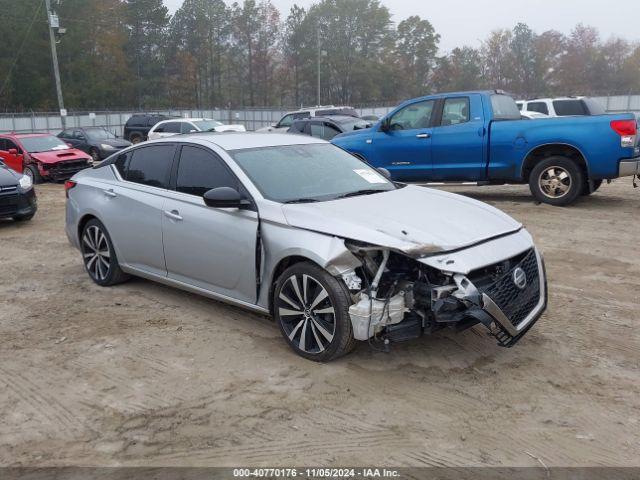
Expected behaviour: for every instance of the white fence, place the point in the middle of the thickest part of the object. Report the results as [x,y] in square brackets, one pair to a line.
[114,121]
[252,119]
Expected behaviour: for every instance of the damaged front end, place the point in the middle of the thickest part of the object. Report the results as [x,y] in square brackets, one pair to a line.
[397,297]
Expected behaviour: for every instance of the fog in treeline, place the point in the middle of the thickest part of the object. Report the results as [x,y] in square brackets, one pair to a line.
[133,54]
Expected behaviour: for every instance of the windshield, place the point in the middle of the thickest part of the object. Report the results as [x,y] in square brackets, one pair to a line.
[99,134]
[504,108]
[315,172]
[205,125]
[43,144]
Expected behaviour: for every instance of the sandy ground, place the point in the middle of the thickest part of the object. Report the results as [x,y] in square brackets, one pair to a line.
[141,374]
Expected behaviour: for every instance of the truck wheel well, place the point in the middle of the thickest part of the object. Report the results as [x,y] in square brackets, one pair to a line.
[280,268]
[546,151]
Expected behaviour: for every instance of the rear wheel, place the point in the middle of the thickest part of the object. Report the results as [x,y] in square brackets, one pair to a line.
[32,172]
[312,310]
[135,138]
[557,181]
[99,256]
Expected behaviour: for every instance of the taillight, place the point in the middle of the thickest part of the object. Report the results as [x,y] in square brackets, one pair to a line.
[627,129]
[68,185]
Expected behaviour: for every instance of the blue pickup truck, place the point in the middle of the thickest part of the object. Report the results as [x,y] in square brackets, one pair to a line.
[481,137]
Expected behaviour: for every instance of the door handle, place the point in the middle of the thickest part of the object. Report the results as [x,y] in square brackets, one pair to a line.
[173,215]
[110,193]
[423,135]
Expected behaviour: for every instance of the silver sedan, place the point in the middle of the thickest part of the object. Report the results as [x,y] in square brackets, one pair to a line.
[298,229]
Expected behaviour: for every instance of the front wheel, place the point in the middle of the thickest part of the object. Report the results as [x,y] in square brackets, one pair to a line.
[99,256]
[32,172]
[312,310]
[557,181]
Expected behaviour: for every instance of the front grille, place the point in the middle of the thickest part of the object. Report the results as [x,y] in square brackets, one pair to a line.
[517,303]
[8,204]
[64,170]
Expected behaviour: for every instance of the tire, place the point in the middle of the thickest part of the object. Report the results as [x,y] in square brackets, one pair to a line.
[103,269]
[587,191]
[23,218]
[557,181]
[95,155]
[32,171]
[321,329]
[135,138]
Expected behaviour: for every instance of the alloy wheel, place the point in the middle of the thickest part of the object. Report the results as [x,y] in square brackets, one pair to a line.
[306,313]
[555,182]
[96,253]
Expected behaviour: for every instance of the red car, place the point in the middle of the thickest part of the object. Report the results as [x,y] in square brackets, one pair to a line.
[41,156]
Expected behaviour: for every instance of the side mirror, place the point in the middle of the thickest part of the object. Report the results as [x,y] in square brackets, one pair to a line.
[385,173]
[225,197]
[13,151]
[385,125]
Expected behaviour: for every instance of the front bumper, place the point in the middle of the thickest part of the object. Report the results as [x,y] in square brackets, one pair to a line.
[18,203]
[64,170]
[629,168]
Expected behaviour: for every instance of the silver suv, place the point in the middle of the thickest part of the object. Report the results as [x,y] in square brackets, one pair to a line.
[296,228]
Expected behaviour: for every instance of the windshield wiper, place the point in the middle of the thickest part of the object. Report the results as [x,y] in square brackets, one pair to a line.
[357,193]
[302,200]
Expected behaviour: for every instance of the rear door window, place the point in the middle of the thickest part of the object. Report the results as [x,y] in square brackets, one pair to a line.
[566,108]
[455,111]
[540,107]
[200,170]
[170,127]
[151,165]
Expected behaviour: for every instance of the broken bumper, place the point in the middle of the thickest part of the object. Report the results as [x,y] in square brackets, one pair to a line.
[629,168]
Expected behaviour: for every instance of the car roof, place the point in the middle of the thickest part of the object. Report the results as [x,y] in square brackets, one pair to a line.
[241,140]
[323,107]
[182,119]
[28,135]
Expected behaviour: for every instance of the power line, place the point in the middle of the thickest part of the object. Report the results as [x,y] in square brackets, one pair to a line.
[24,41]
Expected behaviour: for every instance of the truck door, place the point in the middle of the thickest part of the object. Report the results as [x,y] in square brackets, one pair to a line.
[403,145]
[459,138]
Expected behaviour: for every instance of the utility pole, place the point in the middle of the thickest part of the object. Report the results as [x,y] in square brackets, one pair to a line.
[52,21]
[319,54]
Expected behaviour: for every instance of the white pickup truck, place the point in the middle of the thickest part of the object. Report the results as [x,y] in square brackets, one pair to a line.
[562,107]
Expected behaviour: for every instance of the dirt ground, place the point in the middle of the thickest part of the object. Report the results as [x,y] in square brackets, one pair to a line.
[141,374]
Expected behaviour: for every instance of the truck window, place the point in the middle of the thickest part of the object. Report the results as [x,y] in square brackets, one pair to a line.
[455,111]
[414,116]
[504,108]
[565,108]
[540,107]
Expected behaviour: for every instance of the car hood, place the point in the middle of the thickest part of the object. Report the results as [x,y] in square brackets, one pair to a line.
[114,142]
[7,177]
[54,156]
[416,221]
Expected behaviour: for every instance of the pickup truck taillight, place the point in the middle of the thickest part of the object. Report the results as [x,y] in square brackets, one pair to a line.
[68,185]
[627,129]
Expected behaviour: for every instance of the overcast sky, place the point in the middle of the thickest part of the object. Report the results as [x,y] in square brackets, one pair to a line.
[466,22]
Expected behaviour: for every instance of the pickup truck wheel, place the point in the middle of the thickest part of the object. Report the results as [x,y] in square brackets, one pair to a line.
[312,310]
[99,256]
[596,185]
[32,171]
[557,181]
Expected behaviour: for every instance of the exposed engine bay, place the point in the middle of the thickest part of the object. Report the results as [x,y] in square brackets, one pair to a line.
[398,298]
